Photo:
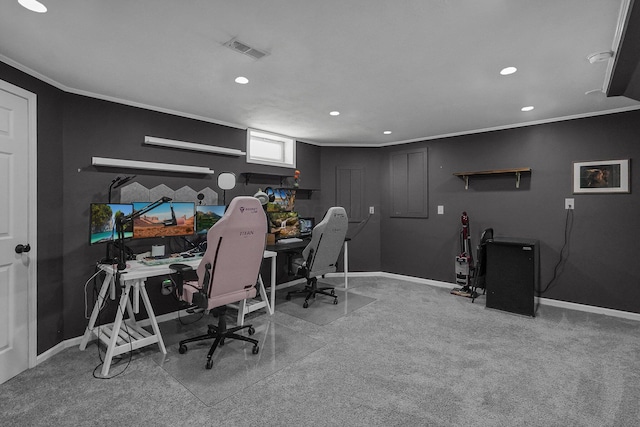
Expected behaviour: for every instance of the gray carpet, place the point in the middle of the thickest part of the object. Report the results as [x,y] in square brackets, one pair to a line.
[412,356]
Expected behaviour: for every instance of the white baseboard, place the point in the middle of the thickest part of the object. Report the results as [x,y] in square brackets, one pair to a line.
[543,301]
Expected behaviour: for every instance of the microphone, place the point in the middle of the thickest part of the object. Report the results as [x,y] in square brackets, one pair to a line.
[173,221]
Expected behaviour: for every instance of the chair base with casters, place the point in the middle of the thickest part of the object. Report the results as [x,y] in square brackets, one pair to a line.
[220,333]
[311,289]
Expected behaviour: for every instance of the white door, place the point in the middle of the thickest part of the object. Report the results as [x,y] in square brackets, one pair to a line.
[16,308]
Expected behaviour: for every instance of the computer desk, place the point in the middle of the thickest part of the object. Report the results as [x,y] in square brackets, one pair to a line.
[124,335]
[298,247]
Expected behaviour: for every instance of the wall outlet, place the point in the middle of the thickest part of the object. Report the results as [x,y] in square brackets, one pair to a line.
[440,210]
[371,210]
[569,203]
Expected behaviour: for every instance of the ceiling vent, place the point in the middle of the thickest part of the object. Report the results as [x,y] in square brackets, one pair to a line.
[245,49]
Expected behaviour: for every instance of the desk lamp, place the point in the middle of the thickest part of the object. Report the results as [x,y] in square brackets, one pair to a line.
[119,182]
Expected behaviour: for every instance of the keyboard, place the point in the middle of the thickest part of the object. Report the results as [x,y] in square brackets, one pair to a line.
[289,240]
[168,260]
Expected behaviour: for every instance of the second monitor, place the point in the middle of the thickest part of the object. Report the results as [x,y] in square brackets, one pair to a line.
[207,216]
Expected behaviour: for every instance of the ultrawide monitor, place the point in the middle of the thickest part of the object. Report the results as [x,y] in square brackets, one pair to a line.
[102,220]
[170,219]
[207,216]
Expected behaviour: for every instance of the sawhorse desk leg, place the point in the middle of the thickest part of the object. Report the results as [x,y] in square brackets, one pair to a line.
[121,338]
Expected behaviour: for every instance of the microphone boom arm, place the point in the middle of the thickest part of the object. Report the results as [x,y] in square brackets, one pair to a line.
[123,220]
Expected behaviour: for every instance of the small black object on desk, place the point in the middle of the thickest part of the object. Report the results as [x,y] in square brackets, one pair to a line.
[291,249]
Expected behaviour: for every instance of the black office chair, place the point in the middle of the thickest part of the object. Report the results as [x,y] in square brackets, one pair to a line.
[321,254]
[480,269]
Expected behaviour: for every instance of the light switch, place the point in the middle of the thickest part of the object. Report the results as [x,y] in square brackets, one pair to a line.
[440,210]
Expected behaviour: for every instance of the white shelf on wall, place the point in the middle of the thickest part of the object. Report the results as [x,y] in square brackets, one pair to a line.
[138,164]
[183,145]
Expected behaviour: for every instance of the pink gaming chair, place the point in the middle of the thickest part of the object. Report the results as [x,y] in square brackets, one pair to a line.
[229,270]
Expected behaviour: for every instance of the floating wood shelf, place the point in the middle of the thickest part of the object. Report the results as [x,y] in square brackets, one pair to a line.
[267,177]
[516,171]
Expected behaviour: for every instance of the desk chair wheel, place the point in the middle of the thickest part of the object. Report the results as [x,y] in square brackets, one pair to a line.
[251,330]
[209,363]
[335,301]
[255,349]
[306,304]
[333,293]
[183,349]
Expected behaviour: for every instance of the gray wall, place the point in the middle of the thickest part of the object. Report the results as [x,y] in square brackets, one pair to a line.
[603,243]
[71,130]
[99,128]
[49,187]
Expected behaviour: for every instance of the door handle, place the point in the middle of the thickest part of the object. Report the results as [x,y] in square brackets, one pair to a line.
[23,248]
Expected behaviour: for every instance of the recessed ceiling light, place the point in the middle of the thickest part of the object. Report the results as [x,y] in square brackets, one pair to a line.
[508,70]
[33,5]
[334,113]
[242,80]
[387,132]
[529,108]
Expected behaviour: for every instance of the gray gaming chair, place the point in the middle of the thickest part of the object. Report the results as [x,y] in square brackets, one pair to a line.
[321,254]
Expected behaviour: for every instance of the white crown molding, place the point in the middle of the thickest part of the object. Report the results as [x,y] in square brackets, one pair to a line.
[319,144]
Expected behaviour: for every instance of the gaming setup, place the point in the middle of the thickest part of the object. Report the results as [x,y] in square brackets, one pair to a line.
[116,223]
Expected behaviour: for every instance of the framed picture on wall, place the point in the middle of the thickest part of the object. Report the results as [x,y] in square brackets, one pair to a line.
[601,176]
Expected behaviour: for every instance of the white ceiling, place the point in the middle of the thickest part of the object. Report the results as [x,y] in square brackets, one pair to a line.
[420,68]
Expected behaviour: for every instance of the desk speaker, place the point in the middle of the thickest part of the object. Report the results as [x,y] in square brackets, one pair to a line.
[512,275]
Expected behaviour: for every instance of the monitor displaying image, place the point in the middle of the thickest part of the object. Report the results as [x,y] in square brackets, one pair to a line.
[306,226]
[102,220]
[284,224]
[207,216]
[170,219]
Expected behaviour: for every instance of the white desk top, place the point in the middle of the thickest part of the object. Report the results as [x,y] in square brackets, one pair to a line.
[137,270]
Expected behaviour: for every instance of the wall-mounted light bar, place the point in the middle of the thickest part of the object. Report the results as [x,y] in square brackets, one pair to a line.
[137,164]
[162,142]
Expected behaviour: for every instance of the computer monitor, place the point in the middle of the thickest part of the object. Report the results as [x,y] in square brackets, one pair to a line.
[102,220]
[284,224]
[170,219]
[306,226]
[207,216]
